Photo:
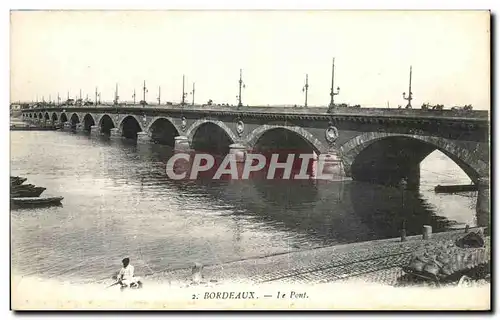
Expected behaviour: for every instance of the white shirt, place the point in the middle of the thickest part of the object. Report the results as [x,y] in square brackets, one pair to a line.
[127,273]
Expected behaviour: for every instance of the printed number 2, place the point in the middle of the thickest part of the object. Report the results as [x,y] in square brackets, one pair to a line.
[194,296]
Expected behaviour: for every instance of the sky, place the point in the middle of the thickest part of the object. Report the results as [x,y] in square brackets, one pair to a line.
[67,51]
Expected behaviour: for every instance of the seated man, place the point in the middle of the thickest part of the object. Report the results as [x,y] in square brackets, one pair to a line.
[126,275]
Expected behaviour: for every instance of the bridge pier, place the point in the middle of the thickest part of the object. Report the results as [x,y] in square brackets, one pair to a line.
[115,134]
[80,128]
[239,151]
[95,131]
[181,144]
[483,202]
[143,137]
[328,166]
[66,126]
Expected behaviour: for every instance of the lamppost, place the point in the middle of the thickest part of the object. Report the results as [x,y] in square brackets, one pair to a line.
[96,96]
[241,85]
[144,90]
[192,93]
[410,94]
[183,100]
[159,95]
[305,89]
[116,95]
[332,92]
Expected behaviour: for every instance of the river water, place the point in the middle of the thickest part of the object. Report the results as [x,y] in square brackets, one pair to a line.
[119,202]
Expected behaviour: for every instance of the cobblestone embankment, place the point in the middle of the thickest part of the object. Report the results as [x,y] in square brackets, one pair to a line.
[375,261]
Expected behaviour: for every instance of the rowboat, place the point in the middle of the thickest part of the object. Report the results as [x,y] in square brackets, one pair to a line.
[36,201]
[27,192]
[23,187]
[455,188]
[15,181]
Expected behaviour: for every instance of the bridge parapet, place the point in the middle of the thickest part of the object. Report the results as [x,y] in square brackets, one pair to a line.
[259,111]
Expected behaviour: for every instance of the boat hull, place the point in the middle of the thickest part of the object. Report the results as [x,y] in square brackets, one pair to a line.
[29,192]
[36,201]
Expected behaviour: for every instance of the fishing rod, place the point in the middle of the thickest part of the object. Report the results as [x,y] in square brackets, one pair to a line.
[114,284]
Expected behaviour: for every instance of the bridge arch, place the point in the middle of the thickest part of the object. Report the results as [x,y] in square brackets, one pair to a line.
[88,122]
[54,117]
[74,120]
[163,130]
[63,117]
[406,148]
[211,135]
[106,123]
[308,137]
[198,123]
[130,127]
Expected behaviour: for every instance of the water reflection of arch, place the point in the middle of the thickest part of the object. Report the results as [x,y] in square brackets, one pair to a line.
[277,205]
[313,209]
[317,210]
[320,211]
[383,209]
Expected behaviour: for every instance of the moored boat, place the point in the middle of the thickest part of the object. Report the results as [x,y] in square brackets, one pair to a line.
[27,192]
[15,181]
[455,188]
[23,187]
[36,201]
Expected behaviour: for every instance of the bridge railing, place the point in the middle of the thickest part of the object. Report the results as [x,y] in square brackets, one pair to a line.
[289,110]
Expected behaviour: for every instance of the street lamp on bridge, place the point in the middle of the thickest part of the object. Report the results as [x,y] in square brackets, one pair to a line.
[332,92]
[192,93]
[159,95]
[116,95]
[184,94]
[241,85]
[410,94]
[144,90]
[305,89]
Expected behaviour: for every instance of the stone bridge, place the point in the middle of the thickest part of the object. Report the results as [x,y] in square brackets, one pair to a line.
[368,144]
